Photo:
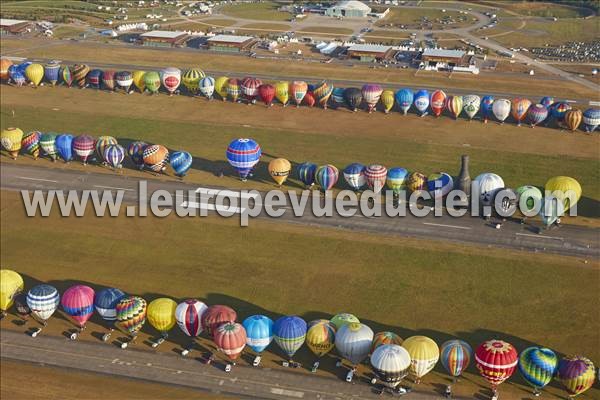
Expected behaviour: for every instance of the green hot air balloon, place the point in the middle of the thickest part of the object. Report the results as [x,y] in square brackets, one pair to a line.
[152,80]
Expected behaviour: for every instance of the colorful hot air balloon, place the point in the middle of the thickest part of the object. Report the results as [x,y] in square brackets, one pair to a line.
[471,104]
[279,169]
[43,301]
[396,179]
[421,101]
[353,342]
[416,182]
[207,87]
[181,162]
[326,176]
[230,339]
[573,119]
[66,75]
[11,139]
[282,92]
[35,73]
[161,315]
[519,109]
[266,93]
[191,79]
[243,154]
[189,316]
[156,157]
[131,315]
[298,90]
[108,79]
[576,373]
[322,93]
[102,143]
[537,114]
[438,102]
[78,303]
[139,80]
[558,110]
[387,100]
[306,173]
[371,93]
[170,78]
[454,104]
[11,283]
[487,103]
[249,88]
[135,150]
[591,119]
[382,338]
[233,89]
[455,356]
[64,146]
[83,147]
[375,175]
[338,96]
[114,155]
[391,364]
[106,305]
[564,188]
[152,81]
[320,337]
[289,333]
[488,184]
[496,361]
[342,319]
[80,71]
[217,315]
[439,184]
[259,332]
[5,64]
[424,354]
[48,145]
[353,97]
[221,87]
[547,101]
[124,80]
[94,78]
[537,365]
[501,109]
[354,175]
[528,197]
[405,98]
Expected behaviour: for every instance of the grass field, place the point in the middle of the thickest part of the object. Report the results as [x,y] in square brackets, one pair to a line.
[264,11]
[543,9]
[265,26]
[218,21]
[412,16]
[326,29]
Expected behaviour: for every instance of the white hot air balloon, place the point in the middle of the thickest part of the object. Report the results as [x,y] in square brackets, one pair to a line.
[501,109]
[391,364]
[353,343]
[471,104]
[170,78]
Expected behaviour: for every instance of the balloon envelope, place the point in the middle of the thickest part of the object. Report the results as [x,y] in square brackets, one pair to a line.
[501,109]
[564,188]
[320,337]
[11,283]
[156,157]
[43,301]
[34,73]
[354,175]
[387,100]
[78,303]
[391,364]
[326,176]
[471,105]
[64,146]
[438,102]
[342,319]
[243,154]
[376,175]
[207,86]
[289,333]
[83,146]
[353,342]
[161,314]
[12,140]
[131,314]
[51,72]
[191,79]
[573,119]
[396,179]
[424,354]
[114,155]
[152,81]
[576,373]
[181,162]
[306,173]
[496,361]
[421,101]
[386,337]
[455,356]
[266,93]
[216,315]
[591,119]
[279,169]
[371,93]
[230,339]
[537,365]
[259,332]
[106,303]
[188,315]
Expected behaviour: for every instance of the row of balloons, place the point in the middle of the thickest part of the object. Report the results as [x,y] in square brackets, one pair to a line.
[391,357]
[250,89]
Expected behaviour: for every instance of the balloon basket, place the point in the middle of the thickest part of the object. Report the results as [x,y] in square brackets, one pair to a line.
[73,336]
[315,367]
[228,368]
[256,361]
[36,332]
[106,336]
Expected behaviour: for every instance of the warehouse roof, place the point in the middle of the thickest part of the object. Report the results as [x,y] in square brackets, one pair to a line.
[353,5]
[443,53]
[372,48]
[162,34]
[10,22]
[230,38]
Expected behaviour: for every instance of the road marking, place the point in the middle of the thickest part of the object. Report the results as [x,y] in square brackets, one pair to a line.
[289,393]
[539,236]
[112,187]
[228,193]
[594,103]
[212,207]
[36,179]
[446,226]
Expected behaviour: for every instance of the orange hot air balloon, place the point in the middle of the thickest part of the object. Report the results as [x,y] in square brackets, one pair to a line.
[156,157]
[573,119]
[280,169]
[5,64]
[298,90]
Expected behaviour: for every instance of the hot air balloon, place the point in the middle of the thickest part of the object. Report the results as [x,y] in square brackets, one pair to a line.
[249,87]
[106,305]
[375,175]
[259,334]
[537,366]
[191,79]
[217,315]
[48,145]
[83,147]
[496,361]
[537,114]
[131,316]
[396,179]
[354,175]
[279,169]
[156,157]
[31,143]
[405,98]
[382,338]
[326,176]
[170,78]
[282,92]
[591,119]
[558,110]
[78,303]
[421,101]
[139,80]
[424,354]
[391,364]
[387,100]
[5,64]
[108,79]
[152,81]
[337,96]
[11,139]
[576,373]
[439,184]
[320,339]
[230,339]
[21,307]
[564,188]
[353,97]
[488,184]
[64,146]
[35,73]
[487,103]
[438,102]
[243,154]
[80,72]
[527,198]
[207,87]
[298,90]
[266,93]
[221,87]
[454,104]
[322,92]
[306,173]
[124,80]
[161,315]
[181,162]
[114,155]
[11,283]
[371,93]
[233,89]
[342,319]
[102,143]
[94,78]
[135,150]
[289,333]
[189,319]
[353,343]
[471,104]
[573,119]
[547,101]
[17,75]
[43,301]
[519,109]
[455,356]
[416,182]
[501,109]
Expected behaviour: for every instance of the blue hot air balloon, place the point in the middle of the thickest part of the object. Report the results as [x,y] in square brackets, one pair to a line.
[537,114]
[422,101]
[289,334]
[486,107]
[114,155]
[259,332]
[106,302]
[306,173]
[559,109]
[405,98]
[326,176]
[538,366]
[64,146]
[16,75]
[337,96]
[43,301]
[396,179]
[181,162]
[354,175]
[547,101]
[51,71]
[94,78]
[591,119]
[135,150]
[243,154]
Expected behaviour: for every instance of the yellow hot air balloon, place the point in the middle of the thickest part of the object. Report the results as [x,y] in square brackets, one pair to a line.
[138,80]
[280,169]
[282,89]
[424,354]
[320,337]
[11,141]
[573,119]
[35,73]
[564,188]
[221,87]
[387,99]
[11,283]
[161,314]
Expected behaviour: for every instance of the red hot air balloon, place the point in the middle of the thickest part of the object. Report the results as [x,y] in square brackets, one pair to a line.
[249,87]
[438,102]
[496,361]
[298,90]
[267,94]
[376,176]
[84,147]
[217,315]
[309,99]
[230,339]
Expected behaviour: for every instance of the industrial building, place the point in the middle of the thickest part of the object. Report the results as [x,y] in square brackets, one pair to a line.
[447,60]
[370,52]
[15,26]
[350,9]
[164,38]
[231,43]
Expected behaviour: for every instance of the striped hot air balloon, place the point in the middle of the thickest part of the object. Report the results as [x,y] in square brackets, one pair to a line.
[12,139]
[217,315]
[124,80]
[519,109]
[131,314]
[537,365]
[496,361]
[64,146]
[376,175]
[156,157]
[233,89]
[386,337]
[191,79]
[102,143]
[80,72]
[455,356]
[576,373]
[591,119]
[181,162]
[108,79]
[207,87]
[322,93]
[249,88]
[106,303]
[94,78]
[83,147]
[189,316]
[306,173]
[337,96]
[43,300]
[282,92]
[135,151]
[537,114]
[230,339]
[326,176]
[243,154]
[289,333]
[31,143]
[48,145]
[455,105]
[114,155]
[404,99]
[438,102]
[35,73]
[320,337]
[266,93]
[387,100]
[78,303]
[354,175]
[573,119]
[298,90]
[371,93]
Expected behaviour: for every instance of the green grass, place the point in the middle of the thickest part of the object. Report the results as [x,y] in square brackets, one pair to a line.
[265,26]
[326,29]
[265,11]
[218,21]
[412,16]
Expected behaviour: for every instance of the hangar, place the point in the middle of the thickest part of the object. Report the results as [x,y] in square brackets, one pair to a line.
[348,9]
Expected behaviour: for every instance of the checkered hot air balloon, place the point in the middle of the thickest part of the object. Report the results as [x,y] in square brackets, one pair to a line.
[83,147]
[496,361]
[189,316]
[216,315]
[156,157]
[326,176]
[243,154]
[114,155]
[249,88]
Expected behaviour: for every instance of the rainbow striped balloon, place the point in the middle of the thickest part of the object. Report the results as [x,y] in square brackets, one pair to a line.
[455,356]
